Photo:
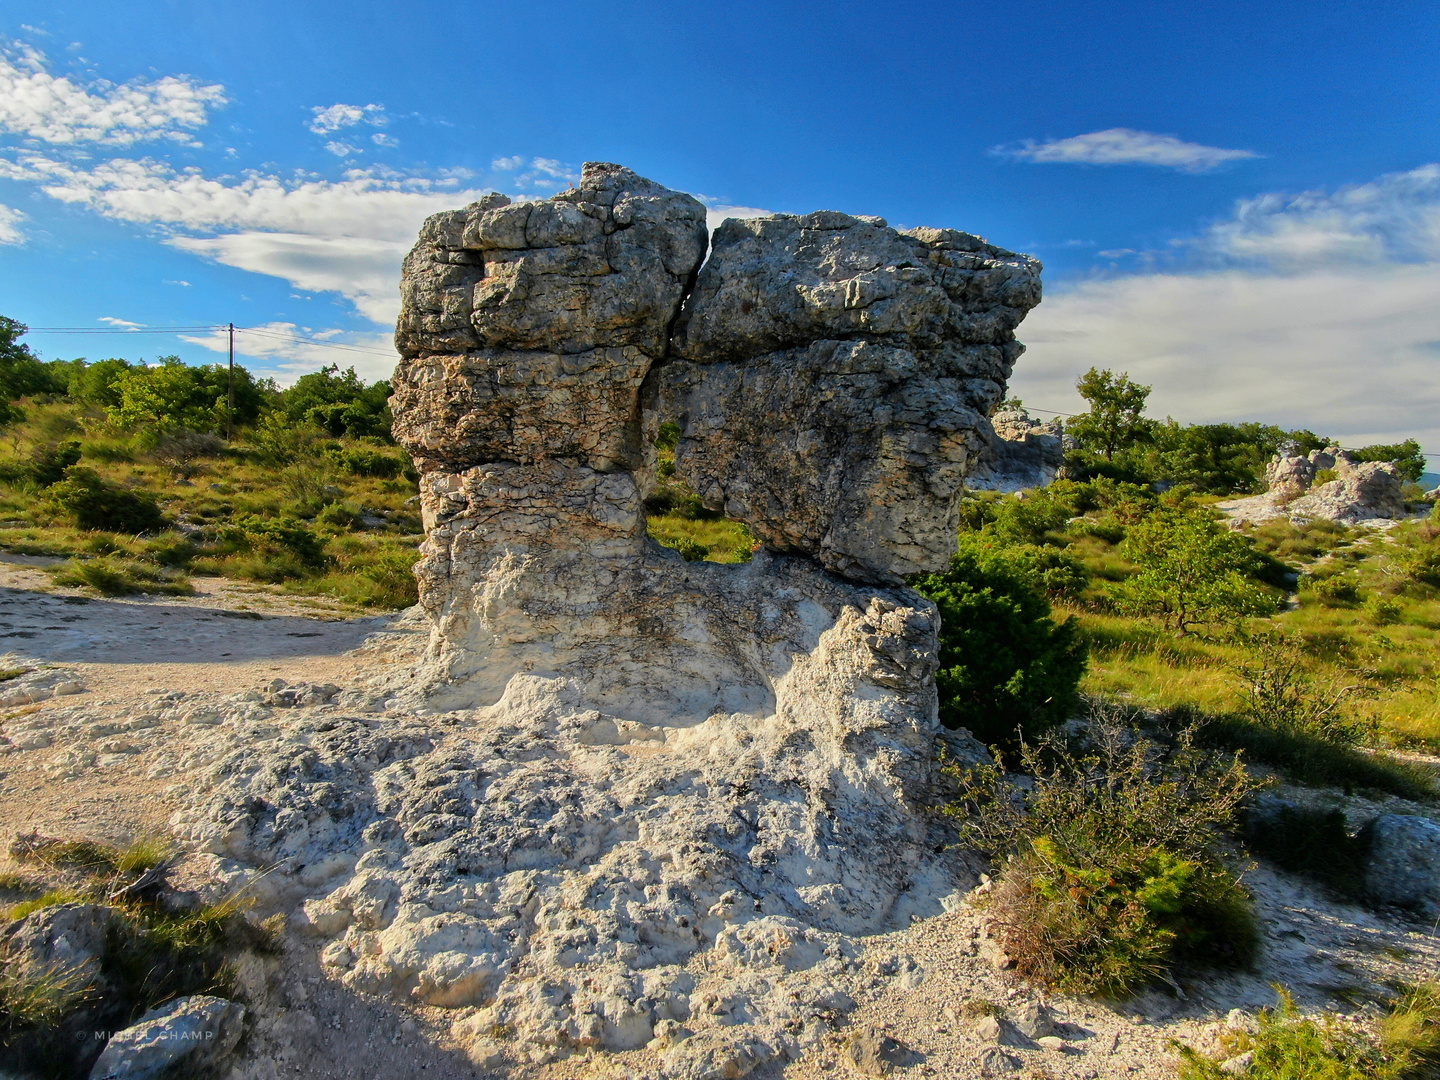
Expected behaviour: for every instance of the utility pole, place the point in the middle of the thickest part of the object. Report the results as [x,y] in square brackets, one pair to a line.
[230,399]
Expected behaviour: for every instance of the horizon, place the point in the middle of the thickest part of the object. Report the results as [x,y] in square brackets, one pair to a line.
[1233,219]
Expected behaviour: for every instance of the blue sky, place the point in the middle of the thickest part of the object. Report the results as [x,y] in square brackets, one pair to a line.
[1238,203]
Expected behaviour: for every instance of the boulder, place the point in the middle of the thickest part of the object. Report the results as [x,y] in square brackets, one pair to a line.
[682,789]
[66,939]
[831,378]
[1362,492]
[189,1036]
[1404,863]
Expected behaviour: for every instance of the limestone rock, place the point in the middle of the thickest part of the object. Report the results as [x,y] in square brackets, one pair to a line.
[871,1052]
[831,378]
[1024,453]
[527,328]
[189,1036]
[650,800]
[993,1062]
[1361,491]
[1371,489]
[1404,863]
[66,939]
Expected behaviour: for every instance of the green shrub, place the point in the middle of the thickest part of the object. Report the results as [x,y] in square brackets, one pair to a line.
[1111,872]
[339,516]
[279,548]
[1383,610]
[1337,589]
[1191,571]
[369,461]
[1006,668]
[1405,1044]
[95,503]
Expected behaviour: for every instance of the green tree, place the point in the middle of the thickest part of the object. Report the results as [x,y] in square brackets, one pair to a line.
[95,384]
[1406,457]
[1006,667]
[1191,571]
[1115,420]
[21,372]
[173,394]
[339,402]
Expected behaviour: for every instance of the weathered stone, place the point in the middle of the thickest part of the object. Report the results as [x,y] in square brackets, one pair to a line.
[831,379]
[67,940]
[681,788]
[1404,862]
[993,1062]
[869,1051]
[1023,453]
[189,1036]
[1001,1032]
[1361,491]
[528,328]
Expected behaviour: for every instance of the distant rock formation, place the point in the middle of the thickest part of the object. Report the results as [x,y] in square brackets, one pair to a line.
[683,785]
[1023,453]
[1360,491]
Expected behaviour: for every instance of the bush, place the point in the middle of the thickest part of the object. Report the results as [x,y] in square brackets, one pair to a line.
[369,461]
[1111,873]
[180,449]
[1287,1046]
[95,503]
[292,541]
[1332,590]
[1006,668]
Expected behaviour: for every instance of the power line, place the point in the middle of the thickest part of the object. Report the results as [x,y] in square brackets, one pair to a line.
[221,328]
[312,341]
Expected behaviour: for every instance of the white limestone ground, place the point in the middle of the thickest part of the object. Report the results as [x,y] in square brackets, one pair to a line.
[761,982]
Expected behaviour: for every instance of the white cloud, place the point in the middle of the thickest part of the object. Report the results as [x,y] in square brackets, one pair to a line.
[716,213]
[364,270]
[39,105]
[182,284]
[508,164]
[346,236]
[1320,310]
[287,351]
[1125,146]
[10,219]
[381,139]
[328,118]
[340,149]
[124,323]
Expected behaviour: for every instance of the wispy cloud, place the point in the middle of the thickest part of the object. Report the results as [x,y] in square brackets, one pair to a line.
[10,225]
[328,118]
[38,105]
[718,209]
[340,149]
[126,324]
[1319,310]
[1125,146]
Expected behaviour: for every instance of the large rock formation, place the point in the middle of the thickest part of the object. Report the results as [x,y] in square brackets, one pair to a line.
[650,792]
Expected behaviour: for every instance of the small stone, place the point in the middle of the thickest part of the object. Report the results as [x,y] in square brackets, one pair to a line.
[993,1060]
[870,1051]
[188,1036]
[1240,1020]
[64,689]
[1036,1020]
[1053,1042]
[1238,1065]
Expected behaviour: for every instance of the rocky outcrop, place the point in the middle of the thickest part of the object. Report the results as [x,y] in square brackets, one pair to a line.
[1403,865]
[1359,491]
[1023,453]
[641,800]
[831,378]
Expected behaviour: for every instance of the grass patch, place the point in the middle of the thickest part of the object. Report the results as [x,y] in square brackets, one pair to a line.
[151,954]
[1403,1045]
[698,539]
[115,577]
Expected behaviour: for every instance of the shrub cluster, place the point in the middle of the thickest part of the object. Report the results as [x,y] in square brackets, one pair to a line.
[1112,871]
